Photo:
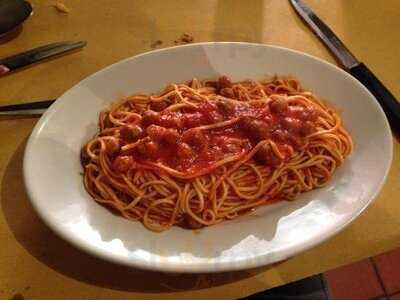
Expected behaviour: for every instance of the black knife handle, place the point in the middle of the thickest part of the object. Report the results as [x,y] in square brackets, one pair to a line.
[27,106]
[388,102]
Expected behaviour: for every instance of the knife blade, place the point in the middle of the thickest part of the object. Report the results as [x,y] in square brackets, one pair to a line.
[360,71]
[26,58]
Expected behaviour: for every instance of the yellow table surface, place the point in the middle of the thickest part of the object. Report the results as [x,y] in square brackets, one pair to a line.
[36,264]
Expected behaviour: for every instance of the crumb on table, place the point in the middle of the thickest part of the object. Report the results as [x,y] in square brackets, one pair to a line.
[184,39]
[61,7]
[156,44]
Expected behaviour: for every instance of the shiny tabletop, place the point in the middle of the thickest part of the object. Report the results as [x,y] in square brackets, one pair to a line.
[36,264]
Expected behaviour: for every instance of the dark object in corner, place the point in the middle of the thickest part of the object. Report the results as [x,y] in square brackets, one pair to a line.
[13,13]
[311,288]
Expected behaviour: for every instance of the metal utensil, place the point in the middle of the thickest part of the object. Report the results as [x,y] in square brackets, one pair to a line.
[29,57]
[351,64]
[12,14]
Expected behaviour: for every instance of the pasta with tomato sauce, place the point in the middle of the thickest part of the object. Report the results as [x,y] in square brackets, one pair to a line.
[202,152]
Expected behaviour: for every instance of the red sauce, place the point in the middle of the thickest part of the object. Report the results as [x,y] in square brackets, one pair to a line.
[170,137]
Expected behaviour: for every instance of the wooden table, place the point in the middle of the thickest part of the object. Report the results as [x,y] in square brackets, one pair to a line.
[36,264]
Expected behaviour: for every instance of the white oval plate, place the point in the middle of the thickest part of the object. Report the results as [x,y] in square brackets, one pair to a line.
[273,233]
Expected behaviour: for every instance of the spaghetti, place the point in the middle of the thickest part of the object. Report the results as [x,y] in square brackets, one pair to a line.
[202,152]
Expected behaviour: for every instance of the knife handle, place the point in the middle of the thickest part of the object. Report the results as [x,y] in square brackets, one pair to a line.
[388,102]
[27,106]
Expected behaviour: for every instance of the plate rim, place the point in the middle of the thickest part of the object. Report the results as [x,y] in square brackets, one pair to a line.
[196,267]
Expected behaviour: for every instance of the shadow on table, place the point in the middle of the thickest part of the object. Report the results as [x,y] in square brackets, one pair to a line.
[8,37]
[57,254]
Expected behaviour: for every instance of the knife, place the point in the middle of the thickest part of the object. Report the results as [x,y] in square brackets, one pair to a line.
[351,64]
[31,108]
[29,57]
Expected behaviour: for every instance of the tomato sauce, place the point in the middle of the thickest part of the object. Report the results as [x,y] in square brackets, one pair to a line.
[173,139]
